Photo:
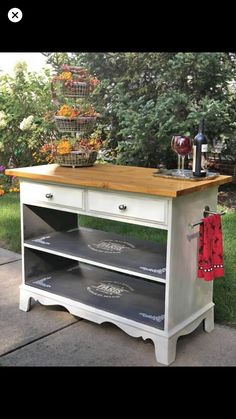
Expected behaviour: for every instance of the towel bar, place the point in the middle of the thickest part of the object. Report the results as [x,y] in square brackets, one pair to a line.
[206,211]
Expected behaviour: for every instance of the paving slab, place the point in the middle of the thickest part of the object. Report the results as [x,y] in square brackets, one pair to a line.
[84,344]
[202,349]
[7,256]
[50,336]
[87,344]
[18,327]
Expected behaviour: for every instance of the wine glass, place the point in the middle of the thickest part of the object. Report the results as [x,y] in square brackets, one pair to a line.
[182,145]
[174,141]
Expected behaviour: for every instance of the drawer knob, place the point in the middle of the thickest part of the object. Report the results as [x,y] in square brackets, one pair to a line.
[49,195]
[122,207]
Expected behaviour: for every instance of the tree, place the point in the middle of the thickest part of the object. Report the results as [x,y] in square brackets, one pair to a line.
[145,98]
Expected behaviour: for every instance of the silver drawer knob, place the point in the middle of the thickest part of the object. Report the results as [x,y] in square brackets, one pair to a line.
[122,207]
[49,195]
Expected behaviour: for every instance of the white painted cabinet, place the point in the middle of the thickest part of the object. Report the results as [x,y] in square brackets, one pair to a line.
[145,288]
[149,290]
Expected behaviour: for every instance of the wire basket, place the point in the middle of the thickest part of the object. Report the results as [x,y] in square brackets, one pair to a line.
[80,158]
[79,124]
[75,89]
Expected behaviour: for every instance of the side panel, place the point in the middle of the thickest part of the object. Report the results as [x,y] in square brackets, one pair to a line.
[186,293]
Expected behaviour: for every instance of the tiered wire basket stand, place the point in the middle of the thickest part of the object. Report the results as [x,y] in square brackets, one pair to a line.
[76,126]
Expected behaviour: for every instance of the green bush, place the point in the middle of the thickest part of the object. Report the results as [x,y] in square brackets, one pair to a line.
[25,116]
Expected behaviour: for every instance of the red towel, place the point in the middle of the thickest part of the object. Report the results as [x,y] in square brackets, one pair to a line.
[210,249]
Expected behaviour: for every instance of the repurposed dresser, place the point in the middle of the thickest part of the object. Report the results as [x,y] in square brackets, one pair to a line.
[148,289]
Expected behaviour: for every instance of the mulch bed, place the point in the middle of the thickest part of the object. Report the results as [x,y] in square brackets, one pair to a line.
[227,196]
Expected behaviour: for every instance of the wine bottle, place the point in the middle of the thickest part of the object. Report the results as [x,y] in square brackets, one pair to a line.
[200,149]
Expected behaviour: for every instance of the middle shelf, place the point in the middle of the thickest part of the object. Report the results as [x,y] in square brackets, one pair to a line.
[126,254]
[57,232]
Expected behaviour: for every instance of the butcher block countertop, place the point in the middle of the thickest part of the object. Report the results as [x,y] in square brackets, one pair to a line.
[116,178]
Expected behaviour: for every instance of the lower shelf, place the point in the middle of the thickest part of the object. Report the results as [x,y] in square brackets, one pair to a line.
[124,295]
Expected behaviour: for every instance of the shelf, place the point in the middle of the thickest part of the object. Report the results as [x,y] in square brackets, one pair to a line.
[124,295]
[126,254]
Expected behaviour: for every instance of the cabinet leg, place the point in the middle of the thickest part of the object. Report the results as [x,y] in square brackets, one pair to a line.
[25,301]
[165,349]
[208,323]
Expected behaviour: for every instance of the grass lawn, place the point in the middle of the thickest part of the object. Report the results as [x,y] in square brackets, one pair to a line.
[139,232]
[10,222]
[224,288]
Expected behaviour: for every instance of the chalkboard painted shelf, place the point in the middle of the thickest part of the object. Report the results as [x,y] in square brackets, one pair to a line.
[124,254]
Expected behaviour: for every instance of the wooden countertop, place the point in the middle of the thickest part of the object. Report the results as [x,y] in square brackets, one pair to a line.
[117,178]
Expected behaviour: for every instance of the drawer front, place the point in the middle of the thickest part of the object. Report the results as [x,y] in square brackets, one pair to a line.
[124,206]
[52,195]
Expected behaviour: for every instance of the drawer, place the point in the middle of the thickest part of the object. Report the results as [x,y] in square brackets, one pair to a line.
[129,207]
[52,195]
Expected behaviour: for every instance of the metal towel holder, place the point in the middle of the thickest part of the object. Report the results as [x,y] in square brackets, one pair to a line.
[206,211]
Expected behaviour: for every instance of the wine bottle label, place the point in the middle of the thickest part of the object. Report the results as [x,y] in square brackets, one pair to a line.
[203,164]
[204,148]
[194,158]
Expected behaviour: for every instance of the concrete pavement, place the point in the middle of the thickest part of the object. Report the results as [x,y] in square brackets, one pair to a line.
[50,336]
